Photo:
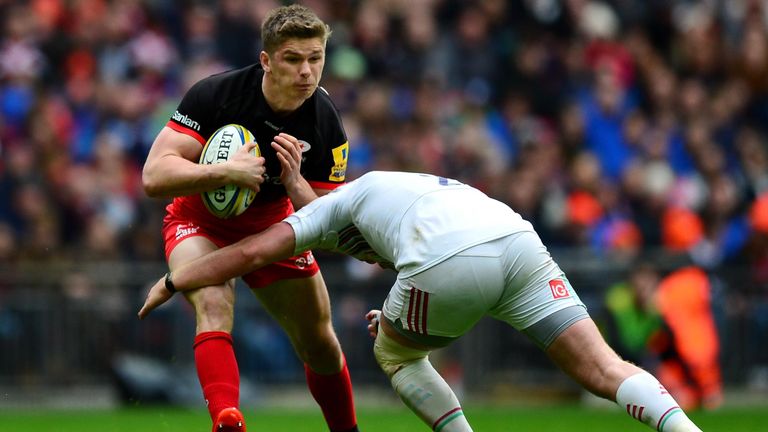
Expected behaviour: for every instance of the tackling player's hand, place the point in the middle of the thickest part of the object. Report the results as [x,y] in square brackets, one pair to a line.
[245,169]
[156,296]
[288,151]
[373,317]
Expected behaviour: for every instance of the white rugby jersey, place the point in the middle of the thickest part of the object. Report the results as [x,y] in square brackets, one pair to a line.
[406,221]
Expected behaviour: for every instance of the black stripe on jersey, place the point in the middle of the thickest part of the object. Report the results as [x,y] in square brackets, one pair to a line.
[351,242]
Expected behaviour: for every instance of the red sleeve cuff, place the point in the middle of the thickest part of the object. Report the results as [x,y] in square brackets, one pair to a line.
[186,131]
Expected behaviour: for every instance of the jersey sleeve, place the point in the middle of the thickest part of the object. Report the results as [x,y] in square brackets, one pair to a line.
[195,111]
[328,170]
[317,224]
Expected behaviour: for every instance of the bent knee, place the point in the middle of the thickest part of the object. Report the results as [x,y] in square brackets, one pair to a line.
[319,349]
[389,364]
[215,308]
[213,311]
[391,356]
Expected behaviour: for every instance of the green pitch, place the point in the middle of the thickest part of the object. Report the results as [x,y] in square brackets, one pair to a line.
[483,419]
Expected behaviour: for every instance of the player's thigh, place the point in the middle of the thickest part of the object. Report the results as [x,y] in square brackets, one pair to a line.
[190,249]
[538,299]
[214,305]
[301,306]
[442,303]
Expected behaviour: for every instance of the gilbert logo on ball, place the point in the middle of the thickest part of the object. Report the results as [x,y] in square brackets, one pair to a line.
[229,200]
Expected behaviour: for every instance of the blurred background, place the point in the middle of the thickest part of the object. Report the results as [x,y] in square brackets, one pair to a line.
[631,133]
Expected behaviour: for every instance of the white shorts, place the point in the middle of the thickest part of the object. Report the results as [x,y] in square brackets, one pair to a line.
[513,279]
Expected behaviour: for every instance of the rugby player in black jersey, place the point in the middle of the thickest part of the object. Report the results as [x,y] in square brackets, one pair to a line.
[304,155]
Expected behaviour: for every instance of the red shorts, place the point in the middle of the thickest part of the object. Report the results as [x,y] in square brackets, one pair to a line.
[176,229]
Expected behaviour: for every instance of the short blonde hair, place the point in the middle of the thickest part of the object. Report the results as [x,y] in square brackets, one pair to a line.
[291,22]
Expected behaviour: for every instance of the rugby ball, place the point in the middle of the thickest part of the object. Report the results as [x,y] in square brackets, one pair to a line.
[229,200]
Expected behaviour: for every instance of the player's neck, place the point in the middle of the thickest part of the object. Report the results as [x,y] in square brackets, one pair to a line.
[277,100]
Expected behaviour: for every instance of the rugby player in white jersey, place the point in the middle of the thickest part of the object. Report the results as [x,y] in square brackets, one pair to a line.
[459,255]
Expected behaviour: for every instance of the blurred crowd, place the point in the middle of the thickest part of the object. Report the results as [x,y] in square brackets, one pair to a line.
[613,125]
[618,126]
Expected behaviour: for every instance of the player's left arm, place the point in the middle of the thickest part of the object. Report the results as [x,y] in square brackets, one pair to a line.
[273,244]
[325,165]
[288,150]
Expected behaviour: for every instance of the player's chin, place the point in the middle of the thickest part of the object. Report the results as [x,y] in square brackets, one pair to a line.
[305,90]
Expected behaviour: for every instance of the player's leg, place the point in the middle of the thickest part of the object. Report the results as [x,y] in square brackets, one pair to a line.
[540,301]
[431,309]
[582,353]
[416,381]
[302,308]
[215,360]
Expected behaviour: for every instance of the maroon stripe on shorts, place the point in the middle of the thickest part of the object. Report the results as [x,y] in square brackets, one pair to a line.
[410,311]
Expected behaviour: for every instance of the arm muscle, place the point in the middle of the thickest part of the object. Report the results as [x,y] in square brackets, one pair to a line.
[172,170]
[251,253]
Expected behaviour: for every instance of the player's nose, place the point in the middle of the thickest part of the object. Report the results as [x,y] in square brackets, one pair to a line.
[305,70]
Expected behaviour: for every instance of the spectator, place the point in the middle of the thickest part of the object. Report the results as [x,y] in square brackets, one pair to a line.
[632,321]
[72,72]
[666,325]
[690,365]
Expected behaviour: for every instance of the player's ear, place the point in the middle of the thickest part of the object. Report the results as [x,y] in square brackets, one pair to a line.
[264,60]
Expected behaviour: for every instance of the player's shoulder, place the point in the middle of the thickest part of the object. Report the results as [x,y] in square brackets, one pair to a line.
[247,72]
[325,109]
[231,82]
[323,100]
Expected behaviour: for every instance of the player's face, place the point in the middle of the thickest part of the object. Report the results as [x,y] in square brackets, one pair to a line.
[296,67]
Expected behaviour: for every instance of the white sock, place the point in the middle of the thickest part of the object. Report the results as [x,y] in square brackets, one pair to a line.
[646,400]
[427,394]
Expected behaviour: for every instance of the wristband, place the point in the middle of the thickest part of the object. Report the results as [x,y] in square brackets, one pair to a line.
[169,283]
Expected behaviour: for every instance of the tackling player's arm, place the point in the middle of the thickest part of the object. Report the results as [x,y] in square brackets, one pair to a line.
[172,170]
[273,244]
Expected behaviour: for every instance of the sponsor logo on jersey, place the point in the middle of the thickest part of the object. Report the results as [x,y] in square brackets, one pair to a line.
[304,146]
[559,289]
[339,170]
[186,121]
[185,230]
[272,125]
[272,180]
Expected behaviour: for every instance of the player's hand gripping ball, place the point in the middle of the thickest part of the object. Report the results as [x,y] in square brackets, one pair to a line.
[230,200]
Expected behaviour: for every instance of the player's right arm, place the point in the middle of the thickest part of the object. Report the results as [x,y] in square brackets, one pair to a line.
[172,170]
[172,167]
